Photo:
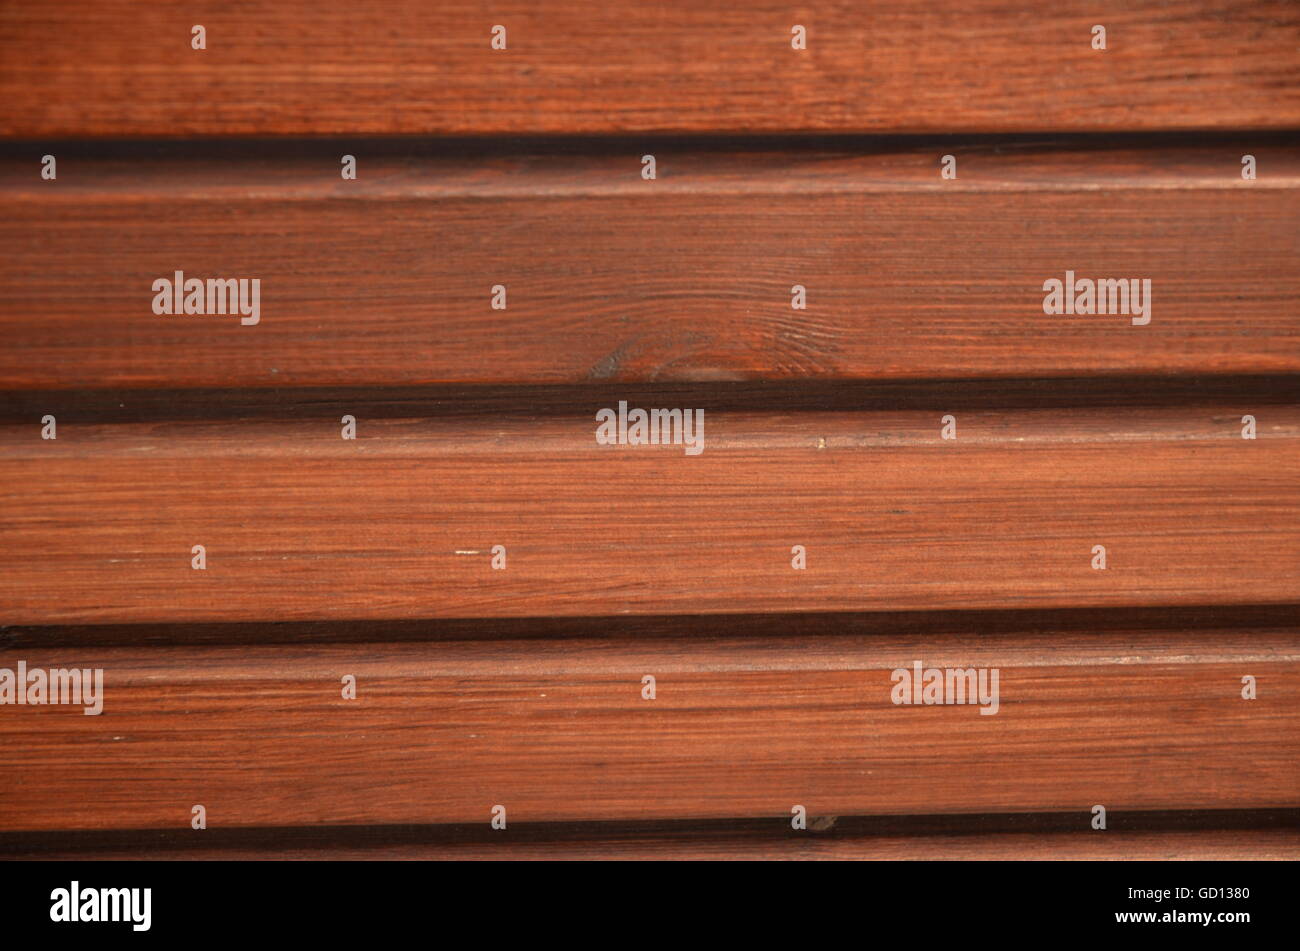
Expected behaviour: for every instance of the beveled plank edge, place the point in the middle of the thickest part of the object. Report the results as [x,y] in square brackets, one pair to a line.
[549,167]
[1205,622]
[541,400]
[1209,834]
[157,666]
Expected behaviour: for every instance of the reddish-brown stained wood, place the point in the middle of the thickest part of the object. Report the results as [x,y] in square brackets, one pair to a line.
[388,279]
[475,427]
[298,524]
[741,727]
[121,67]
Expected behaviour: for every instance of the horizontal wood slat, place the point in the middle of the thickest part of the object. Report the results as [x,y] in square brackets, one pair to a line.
[118,67]
[299,524]
[471,230]
[389,279]
[740,727]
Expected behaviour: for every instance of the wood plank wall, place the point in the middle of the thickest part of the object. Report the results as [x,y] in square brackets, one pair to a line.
[919,465]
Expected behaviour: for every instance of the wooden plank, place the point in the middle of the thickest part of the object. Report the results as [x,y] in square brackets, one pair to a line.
[388,279]
[121,67]
[98,525]
[740,727]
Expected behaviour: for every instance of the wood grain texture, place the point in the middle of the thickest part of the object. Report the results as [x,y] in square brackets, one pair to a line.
[476,428]
[98,525]
[123,67]
[741,727]
[388,279]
